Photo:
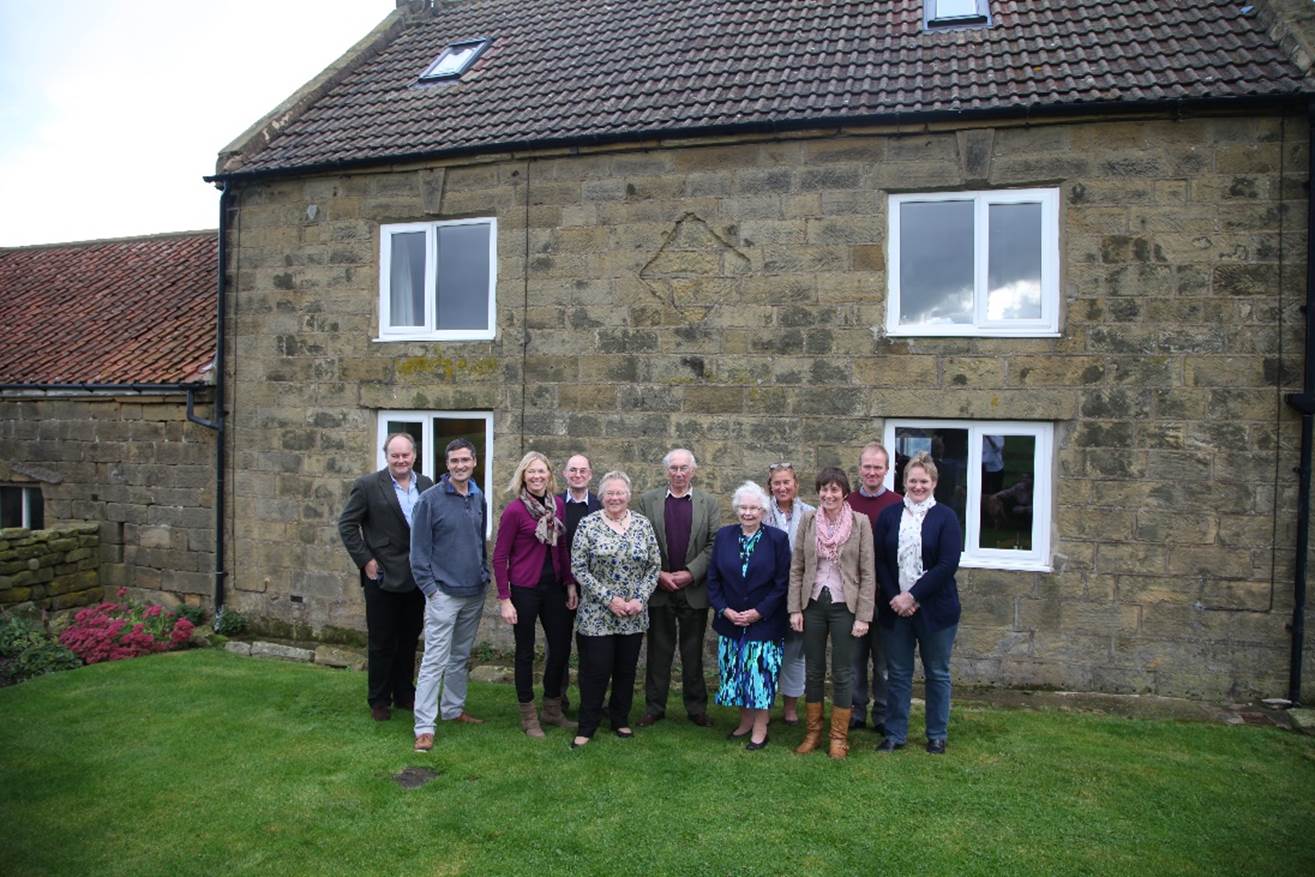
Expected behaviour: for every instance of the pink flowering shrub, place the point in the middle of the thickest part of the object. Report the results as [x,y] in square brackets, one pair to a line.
[111,631]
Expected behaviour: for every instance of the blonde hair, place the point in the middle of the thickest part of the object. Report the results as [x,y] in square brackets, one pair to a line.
[518,477]
[922,460]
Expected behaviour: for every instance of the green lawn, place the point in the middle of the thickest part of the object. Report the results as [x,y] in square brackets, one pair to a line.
[206,763]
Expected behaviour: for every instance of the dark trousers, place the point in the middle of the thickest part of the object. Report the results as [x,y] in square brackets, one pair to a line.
[663,624]
[870,651]
[823,618]
[545,605]
[605,659]
[393,622]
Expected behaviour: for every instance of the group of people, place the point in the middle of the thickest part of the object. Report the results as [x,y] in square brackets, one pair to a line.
[868,571]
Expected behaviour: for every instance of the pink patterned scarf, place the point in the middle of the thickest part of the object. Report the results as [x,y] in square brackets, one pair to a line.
[831,536]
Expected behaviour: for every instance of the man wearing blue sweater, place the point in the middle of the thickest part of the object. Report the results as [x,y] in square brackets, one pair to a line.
[449,559]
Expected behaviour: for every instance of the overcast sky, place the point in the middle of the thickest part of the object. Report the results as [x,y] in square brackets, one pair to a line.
[111,111]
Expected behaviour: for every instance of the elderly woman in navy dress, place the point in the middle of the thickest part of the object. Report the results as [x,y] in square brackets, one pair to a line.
[918,543]
[747,580]
[784,512]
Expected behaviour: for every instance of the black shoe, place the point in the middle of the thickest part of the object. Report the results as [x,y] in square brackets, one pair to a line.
[889,745]
[855,721]
[754,747]
[879,730]
[701,719]
[648,719]
[936,747]
[623,733]
[733,736]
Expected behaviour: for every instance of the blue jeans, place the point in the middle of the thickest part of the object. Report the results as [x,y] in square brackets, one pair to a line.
[935,647]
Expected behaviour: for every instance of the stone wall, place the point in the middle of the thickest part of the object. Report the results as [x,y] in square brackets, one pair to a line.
[731,297]
[135,465]
[50,569]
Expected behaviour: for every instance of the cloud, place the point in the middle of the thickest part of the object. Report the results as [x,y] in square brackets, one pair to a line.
[116,110]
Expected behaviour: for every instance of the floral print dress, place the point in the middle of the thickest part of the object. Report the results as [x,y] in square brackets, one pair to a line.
[609,564]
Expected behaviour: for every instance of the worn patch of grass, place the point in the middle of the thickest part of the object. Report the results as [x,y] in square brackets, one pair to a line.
[203,762]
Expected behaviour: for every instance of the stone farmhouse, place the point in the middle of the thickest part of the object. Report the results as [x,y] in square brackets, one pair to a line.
[1061,245]
[107,348]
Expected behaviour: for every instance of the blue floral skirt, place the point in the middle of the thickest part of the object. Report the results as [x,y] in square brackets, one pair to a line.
[749,672]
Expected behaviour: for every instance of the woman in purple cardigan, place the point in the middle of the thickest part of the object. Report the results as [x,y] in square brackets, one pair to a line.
[533,574]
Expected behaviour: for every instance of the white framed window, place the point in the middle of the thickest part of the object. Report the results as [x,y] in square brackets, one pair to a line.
[431,431]
[437,280]
[22,506]
[974,263]
[998,478]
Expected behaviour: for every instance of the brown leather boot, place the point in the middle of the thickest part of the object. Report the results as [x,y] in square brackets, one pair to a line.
[813,737]
[839,732]
[552,714]
[530,720]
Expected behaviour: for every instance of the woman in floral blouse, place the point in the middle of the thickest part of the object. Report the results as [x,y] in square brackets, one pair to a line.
[615,561]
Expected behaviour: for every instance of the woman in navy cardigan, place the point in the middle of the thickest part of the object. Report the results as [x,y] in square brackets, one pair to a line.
[533,573]
[747,580]
[918,544]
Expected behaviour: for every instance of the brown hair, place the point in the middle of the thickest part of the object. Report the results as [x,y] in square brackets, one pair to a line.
[833,475]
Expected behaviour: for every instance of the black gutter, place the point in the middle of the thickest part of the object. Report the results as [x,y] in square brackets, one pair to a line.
[1178,107]
[1304,402]
[221,382]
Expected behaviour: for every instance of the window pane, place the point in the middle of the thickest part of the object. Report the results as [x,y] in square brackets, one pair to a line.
[954,8]
[415,430]
[453,61]
[463,277]
[11,506]
[936,262]
[1014,269]
[448,428]
[1008,477]
[36,509]
[406,302]
[949,451]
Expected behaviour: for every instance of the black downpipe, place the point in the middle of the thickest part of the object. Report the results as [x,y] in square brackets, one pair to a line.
[221,382]
[1304,402]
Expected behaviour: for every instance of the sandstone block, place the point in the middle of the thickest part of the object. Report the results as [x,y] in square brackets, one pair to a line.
[261,649]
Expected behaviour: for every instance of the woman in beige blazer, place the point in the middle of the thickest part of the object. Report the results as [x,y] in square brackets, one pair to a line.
[832,592]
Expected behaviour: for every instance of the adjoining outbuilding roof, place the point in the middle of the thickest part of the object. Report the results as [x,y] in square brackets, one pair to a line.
[132,310]
[599,71]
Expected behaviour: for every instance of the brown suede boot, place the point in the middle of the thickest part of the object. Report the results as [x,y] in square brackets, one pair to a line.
[530,720]
[813,737]
[839,732]
[552,714]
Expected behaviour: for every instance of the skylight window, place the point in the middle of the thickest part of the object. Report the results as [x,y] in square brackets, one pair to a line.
[938,14]
[455,59]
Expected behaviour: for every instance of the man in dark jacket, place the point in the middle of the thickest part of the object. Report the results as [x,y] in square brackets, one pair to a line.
[376,528]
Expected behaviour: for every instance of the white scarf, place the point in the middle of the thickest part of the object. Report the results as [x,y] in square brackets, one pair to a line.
[910,541]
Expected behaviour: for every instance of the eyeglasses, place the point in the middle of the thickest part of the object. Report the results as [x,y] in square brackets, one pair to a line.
[775,467]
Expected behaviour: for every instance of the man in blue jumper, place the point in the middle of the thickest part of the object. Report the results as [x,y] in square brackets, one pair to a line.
[449,559]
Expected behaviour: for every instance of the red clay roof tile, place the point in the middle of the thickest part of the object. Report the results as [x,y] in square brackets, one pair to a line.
[136,310]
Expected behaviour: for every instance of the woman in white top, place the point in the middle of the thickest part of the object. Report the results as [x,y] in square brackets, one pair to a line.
[784,512]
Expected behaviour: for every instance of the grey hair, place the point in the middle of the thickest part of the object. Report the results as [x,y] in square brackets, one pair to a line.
[693,463]
[614,475]
[750,490]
